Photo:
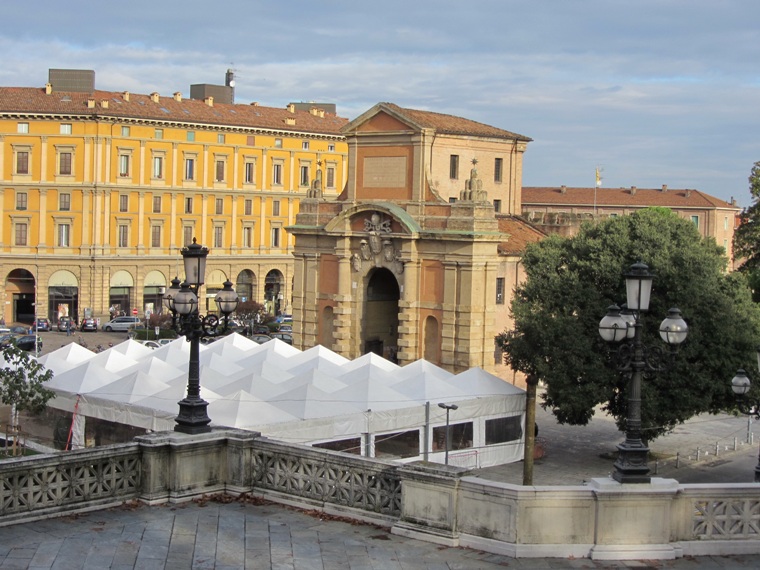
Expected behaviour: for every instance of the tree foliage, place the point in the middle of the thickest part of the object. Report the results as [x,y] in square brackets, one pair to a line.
[572,281]
[747,235]
[22,380]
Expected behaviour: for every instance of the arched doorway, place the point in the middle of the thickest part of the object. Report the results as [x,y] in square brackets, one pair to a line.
[153,293]
[214,284]
[380,321]
[63,296]
[20,286]
[245,286]
[274,293]
[119,295]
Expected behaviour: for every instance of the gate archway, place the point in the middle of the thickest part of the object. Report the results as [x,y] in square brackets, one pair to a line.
[380,316]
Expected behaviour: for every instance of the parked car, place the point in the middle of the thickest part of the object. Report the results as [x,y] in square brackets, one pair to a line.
[42,324]
[285,329]
[284,319]
[19,329]
[89,324]
[150,344]
[63,323]
[121,324]
[260,329]
[261,338]
[27,342]
[284,337]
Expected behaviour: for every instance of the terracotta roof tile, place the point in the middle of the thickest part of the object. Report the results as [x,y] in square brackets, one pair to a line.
[520,233]
[449,124]
[30,100]
[620,197]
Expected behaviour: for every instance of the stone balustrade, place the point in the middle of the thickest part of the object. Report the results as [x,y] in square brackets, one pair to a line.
[602,520]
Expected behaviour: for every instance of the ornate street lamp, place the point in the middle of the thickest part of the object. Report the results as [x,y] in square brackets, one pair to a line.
[448,408]
[633,359]
[182,302]
[740,384]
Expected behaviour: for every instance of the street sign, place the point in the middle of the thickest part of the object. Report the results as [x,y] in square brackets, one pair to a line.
[134,312]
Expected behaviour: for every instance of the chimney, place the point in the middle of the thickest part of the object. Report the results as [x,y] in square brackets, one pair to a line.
[90,103]
[104,103]
[664,187]
[48,88]
[633,190]
[126,96]
[154,97]
[209,101]
[178,96]
[563,189]
[290,121]
[688,193]
[291,108]
[317,112]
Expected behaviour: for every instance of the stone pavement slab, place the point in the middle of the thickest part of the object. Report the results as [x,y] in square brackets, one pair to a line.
[245,534]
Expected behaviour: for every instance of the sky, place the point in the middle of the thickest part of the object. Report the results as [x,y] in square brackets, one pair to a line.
[652,92]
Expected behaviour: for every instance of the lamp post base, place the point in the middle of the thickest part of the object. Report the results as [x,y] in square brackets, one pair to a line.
[192,418]
[631,465]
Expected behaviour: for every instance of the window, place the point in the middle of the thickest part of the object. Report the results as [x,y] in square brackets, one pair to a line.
[695,220]
[250,140]
[502,430]
[277,174]
[189,205]
[65,128]
[399,444]
[21,201]
[498,165]
[330,177]
[330,148]
[220,206]
[125,131]
[64,234]
[305,145]
[158,134]
[454,167]
[220,171]
[187,235]
[64,164]
[155,236]
[123,203]
[247,237]
[497,206]
[158,167]
[275,237]
[500,290]
[248,207]
[275,207]
[250,172]
[304,175]
[461,437]
[23,128]
[124,165]
[156,204]
[219,236]
[123,235]
[189,169]
[20,233]
[725,223]
[220,138]
[64,202]
[190,136]
[452,200]
[277,143]
[22,162]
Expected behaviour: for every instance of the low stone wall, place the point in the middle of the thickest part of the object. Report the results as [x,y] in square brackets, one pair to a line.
[602,520]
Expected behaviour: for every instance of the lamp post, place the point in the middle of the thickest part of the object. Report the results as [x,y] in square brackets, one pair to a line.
[182,302]
[448,408]
[748,406]
[633,359]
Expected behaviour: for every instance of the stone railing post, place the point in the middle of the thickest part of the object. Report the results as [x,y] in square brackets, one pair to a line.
[429,499]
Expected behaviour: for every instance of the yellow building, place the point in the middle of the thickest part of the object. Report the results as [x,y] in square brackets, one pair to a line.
[101,190]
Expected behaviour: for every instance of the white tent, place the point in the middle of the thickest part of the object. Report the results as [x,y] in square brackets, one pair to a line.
[315,397]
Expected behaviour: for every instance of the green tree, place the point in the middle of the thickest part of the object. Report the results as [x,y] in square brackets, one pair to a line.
[22,380]
[571,282]
[747,235]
